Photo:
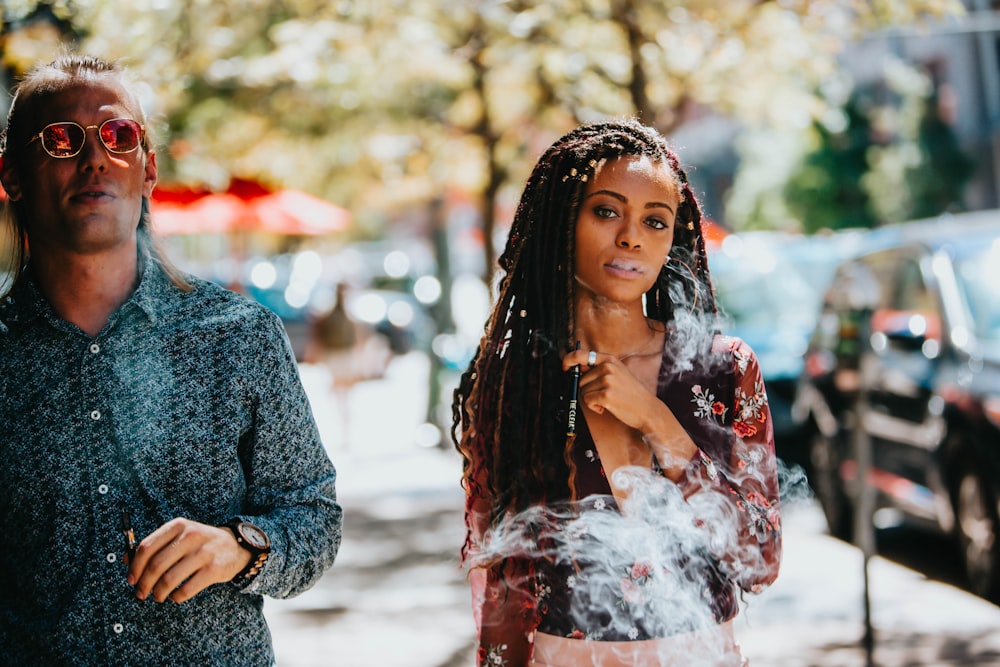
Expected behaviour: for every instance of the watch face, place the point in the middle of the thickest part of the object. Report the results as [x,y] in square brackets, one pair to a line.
[254,535]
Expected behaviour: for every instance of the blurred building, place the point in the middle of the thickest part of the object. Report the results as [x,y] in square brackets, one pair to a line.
[962,57]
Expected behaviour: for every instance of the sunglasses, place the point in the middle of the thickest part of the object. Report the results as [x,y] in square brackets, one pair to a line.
[66,139]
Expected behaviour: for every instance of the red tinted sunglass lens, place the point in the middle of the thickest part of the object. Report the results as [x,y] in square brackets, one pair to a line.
[62,139]
[121,135]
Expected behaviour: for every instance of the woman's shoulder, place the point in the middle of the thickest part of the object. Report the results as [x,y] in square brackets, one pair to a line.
[724,343]
[735,347]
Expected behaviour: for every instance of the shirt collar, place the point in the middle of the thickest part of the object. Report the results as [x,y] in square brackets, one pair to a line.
[152,296]
[25,301]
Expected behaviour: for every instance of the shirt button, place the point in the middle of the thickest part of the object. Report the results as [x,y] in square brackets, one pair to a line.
[95,348]
[111,558]
[118,628]
[95,414]
[102,489]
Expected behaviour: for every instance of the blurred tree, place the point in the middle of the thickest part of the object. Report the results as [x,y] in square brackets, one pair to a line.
[382,105]
[892,157]
[938,181]
[826,192]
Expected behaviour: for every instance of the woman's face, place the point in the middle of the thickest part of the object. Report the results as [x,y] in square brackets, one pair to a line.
[625,228]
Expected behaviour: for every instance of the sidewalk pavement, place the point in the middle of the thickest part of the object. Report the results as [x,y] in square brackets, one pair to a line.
[813,616]
[396,597]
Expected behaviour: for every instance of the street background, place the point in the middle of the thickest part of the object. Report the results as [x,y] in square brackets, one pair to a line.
[381,147]
[397,598]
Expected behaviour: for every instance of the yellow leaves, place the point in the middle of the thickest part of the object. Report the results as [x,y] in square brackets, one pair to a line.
[39,42]
[287,91]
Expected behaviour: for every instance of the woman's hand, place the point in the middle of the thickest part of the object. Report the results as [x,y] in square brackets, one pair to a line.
[181,558]
[608,385]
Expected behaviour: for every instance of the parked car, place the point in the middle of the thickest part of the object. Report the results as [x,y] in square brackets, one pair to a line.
[769,286]
[906,354]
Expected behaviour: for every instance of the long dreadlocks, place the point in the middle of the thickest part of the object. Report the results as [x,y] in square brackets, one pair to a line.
[509,408]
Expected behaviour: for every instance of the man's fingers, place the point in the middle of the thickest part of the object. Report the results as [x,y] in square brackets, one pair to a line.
[157,554]
[151,545]
[183,557]
[194,585]
[177,575]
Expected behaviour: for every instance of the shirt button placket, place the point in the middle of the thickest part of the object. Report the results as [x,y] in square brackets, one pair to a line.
[92,373]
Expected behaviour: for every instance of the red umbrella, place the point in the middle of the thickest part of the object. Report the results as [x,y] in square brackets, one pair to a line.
[296,213]
[214,213]
[245,206]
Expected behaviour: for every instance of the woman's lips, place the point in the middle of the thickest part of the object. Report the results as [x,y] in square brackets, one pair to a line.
[624,269]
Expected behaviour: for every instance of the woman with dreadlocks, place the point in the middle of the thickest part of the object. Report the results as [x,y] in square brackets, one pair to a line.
[618,453]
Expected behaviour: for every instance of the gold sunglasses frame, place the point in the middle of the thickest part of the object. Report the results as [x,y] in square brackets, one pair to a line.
[142,137]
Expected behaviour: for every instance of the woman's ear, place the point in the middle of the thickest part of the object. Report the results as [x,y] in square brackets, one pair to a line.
[11,183]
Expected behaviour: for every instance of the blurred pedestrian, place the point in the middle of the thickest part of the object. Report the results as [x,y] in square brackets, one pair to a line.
[351,351]
[619,460]
[161,466]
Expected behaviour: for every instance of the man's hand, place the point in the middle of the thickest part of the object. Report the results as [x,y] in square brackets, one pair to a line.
[181,558]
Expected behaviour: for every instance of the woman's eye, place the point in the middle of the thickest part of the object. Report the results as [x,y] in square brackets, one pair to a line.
[656,223]
[604,212]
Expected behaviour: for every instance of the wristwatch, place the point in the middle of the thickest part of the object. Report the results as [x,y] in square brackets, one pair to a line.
[254,540]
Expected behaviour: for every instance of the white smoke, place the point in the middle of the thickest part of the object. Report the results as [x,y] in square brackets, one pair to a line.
[643,567]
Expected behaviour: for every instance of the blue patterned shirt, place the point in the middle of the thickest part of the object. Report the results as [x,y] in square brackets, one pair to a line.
[186,404]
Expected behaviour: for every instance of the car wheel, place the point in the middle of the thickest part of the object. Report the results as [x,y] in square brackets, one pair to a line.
[825,459]
[976,524]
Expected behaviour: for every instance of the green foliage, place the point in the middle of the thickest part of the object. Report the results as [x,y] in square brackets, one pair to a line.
[826,192]
[938,181]
[384,105]
[894,161]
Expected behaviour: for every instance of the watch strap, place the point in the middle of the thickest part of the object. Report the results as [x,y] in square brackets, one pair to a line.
[258,556]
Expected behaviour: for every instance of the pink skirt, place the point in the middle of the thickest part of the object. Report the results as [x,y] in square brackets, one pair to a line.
[710,647]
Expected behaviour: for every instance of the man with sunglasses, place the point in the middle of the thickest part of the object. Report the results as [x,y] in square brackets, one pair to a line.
[160,468]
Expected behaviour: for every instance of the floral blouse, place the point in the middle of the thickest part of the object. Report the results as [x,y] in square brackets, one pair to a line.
[672,562]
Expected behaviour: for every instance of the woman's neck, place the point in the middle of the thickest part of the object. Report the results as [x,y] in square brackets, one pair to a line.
[616,328]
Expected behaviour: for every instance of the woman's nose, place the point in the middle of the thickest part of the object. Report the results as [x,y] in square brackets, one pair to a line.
[628,235]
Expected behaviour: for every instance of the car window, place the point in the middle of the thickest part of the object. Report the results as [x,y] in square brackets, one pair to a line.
[911,291]
[751,294]
[979,278]
[861,284]
[882,270]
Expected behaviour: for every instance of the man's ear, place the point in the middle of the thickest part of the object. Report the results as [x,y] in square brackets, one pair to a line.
[11,183]
[149,178]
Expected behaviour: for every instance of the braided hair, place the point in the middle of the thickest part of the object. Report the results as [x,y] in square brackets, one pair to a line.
[509,410]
